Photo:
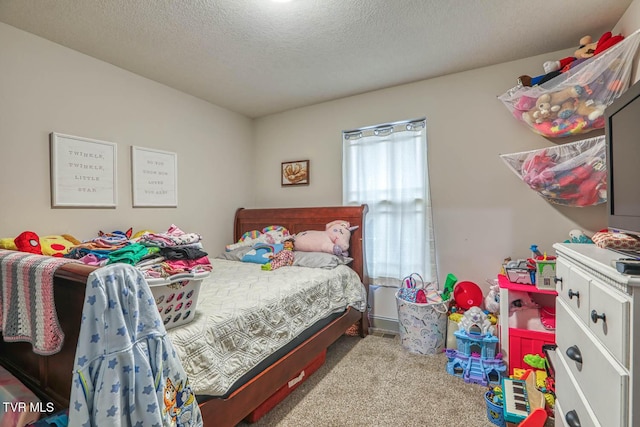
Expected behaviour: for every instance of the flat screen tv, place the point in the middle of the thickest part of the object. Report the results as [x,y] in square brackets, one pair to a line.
[622,134]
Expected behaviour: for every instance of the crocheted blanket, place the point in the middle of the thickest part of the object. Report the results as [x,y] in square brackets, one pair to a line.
[27,307]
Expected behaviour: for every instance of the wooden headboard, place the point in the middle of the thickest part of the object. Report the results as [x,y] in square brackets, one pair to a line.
[314,218]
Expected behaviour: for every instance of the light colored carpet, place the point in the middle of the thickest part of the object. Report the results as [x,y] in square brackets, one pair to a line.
[375,382]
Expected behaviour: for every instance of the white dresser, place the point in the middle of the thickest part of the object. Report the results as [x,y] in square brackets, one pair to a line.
[598,354]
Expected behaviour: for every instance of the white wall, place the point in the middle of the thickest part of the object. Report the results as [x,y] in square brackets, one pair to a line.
[629,23]
[45,88]
[482,212]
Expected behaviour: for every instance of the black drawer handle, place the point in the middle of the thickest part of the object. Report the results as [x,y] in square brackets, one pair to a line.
[557,279]
[595,316]
[573,294]
[574,354]
[572,418]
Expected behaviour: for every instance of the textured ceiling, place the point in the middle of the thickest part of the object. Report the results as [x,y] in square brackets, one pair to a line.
[259,57]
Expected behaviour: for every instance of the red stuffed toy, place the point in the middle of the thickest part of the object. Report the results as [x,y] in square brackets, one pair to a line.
[536,170]
[587,49]
[28,241]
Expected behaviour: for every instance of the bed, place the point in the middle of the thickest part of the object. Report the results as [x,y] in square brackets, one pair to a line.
[50,376]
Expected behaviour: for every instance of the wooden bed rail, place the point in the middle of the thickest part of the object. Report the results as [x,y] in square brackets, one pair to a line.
[76,272]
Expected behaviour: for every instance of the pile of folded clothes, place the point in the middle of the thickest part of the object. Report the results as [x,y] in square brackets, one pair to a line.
[157,255]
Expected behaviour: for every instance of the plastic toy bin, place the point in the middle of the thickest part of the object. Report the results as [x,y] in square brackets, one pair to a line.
[494,411]
[176,297]
[523,342]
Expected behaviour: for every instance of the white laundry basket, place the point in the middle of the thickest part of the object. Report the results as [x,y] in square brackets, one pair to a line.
[176,297]
[423,327]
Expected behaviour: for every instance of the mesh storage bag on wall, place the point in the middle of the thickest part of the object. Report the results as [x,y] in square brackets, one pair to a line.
[574,101]
[572,174]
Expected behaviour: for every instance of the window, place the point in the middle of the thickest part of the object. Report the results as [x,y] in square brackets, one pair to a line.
[385,166]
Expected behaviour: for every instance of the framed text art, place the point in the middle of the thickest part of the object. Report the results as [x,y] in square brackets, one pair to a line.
[155,177]
[83,172]
[295,173]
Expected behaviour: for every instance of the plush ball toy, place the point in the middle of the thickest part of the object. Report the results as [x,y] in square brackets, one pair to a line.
[334,239]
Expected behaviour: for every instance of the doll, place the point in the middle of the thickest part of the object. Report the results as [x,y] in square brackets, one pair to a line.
[281,259]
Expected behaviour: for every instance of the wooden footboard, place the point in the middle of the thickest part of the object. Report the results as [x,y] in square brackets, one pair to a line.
[50,376]
[230,411]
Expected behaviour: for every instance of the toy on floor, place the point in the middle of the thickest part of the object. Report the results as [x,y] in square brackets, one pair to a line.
[467,295]
[476,359]
[522,400]
[543,381]
[493,399]
[449,284]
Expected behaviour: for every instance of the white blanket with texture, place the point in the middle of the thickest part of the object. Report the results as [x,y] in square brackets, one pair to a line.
[244,314]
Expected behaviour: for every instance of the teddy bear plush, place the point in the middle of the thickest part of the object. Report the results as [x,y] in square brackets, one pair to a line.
[334,239]
[550,106]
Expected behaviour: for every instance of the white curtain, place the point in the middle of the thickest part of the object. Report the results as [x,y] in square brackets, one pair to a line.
[385,166]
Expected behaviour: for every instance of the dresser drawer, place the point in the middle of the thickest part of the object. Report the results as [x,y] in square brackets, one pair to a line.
[601,379]
[613,331]
[573,289]
[572,404]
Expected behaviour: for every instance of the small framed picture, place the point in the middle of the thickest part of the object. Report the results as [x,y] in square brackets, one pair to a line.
[295,173]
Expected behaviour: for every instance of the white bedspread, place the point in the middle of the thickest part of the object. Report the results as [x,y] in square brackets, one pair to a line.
[244,314]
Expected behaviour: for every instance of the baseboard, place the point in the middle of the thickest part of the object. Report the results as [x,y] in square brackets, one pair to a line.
[383,325]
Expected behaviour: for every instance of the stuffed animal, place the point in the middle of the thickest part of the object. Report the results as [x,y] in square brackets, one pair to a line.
[29,241]
[578,236]
[536,170]
[492,300]
[587,49]
[270,235]
[552,105]
[334,239]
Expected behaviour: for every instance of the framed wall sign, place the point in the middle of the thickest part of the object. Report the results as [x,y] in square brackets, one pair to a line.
[155,177]
[83,172]
[295,173]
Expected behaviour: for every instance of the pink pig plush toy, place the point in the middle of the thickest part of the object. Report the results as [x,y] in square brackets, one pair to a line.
[334,240]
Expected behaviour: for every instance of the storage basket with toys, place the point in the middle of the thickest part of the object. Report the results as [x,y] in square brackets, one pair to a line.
[571,96]
[177,296]
[573,174]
